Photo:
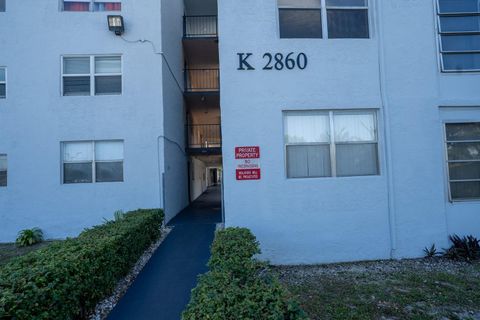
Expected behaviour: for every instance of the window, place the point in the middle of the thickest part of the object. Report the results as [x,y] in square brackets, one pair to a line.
[459,28]
[92,75]
[86,162]
[303,18]
[331,143]
[3,5]
[347,18]
[463,157]
[3,170]
[300,19]
[3,83]
[92,5]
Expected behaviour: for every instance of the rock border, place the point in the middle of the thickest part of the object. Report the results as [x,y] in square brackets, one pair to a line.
[105,306]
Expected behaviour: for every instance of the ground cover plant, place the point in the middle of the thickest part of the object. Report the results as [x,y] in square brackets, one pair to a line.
[411,289]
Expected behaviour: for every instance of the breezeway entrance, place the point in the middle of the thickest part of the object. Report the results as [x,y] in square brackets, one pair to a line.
[162,289]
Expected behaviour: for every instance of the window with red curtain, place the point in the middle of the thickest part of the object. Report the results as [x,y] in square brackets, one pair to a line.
[108,6]
[76,6]
[112,6]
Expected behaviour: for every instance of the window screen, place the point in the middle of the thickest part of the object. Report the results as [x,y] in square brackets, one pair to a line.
[3,170]
[109,161]
[300,19]
[108,78]
[3,83]
[463,152]
[303,18]
[347,18]
[459,28]
[76,76]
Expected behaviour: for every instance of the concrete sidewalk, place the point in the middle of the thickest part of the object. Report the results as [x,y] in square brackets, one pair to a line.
[162,290]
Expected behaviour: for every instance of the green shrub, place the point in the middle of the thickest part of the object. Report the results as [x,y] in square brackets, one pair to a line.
[232,252]
[29,237]
[463,248]
[431,252]
[67,279]
[118,215]
[238,287]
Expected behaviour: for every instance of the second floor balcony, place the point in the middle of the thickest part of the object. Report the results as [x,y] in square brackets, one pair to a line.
[204,139]
[200,27]
[202,80]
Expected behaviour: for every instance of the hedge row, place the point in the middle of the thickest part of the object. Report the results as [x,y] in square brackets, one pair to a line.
[237,287]
[67,279]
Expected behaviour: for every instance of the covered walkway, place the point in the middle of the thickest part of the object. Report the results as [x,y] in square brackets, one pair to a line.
[162,290]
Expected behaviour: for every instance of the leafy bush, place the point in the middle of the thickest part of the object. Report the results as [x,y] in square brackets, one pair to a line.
[118,215]
[463,248]
[29,237]
[431,252]
[232,252]
[67,279]
[238,287]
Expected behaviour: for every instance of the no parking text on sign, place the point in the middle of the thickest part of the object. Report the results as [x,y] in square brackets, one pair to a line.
[248,163]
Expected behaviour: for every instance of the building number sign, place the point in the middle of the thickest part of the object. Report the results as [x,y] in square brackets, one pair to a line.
[274,61]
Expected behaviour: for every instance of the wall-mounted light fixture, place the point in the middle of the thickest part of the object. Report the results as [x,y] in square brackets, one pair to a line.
[115,24]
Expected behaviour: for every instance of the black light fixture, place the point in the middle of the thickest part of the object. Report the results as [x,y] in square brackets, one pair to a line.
[115,24]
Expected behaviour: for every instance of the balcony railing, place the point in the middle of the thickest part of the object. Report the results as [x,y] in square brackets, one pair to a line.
[200,27]
[205,136]
[202,80]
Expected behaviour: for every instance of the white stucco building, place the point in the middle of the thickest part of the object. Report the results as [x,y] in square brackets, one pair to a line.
[83,120]
[348,129]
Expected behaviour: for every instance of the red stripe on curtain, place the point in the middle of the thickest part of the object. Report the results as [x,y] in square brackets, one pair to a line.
[110,6]
[76,6]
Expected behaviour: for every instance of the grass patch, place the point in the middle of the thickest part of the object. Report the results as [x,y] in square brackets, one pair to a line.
[414,289]
[8,251]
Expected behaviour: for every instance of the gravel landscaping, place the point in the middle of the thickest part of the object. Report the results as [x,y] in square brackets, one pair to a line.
[104,307]
[406,289]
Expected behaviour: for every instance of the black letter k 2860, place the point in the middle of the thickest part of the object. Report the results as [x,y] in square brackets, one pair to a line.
[242,61]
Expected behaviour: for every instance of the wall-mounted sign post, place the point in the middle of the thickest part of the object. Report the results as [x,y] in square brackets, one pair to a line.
[248,163]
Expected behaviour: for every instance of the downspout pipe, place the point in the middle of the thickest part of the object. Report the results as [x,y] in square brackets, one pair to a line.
[392,215]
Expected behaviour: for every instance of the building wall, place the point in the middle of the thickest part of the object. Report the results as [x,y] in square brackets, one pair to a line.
[395,214]
[417,92]
[176,165]
[35,118]
[198,182]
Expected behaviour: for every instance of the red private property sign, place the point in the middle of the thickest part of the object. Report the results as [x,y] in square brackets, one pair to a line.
[248,163]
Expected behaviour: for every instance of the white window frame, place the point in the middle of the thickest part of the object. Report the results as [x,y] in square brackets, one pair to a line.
[323,13]
[448,161]
[332,143]
[92,74]
[5,83]
[91,6]
[93,161]
[439,39]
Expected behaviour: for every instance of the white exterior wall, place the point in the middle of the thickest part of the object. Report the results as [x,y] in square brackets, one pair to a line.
[35,117]
[198,183]
[176,176]
[395,214]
